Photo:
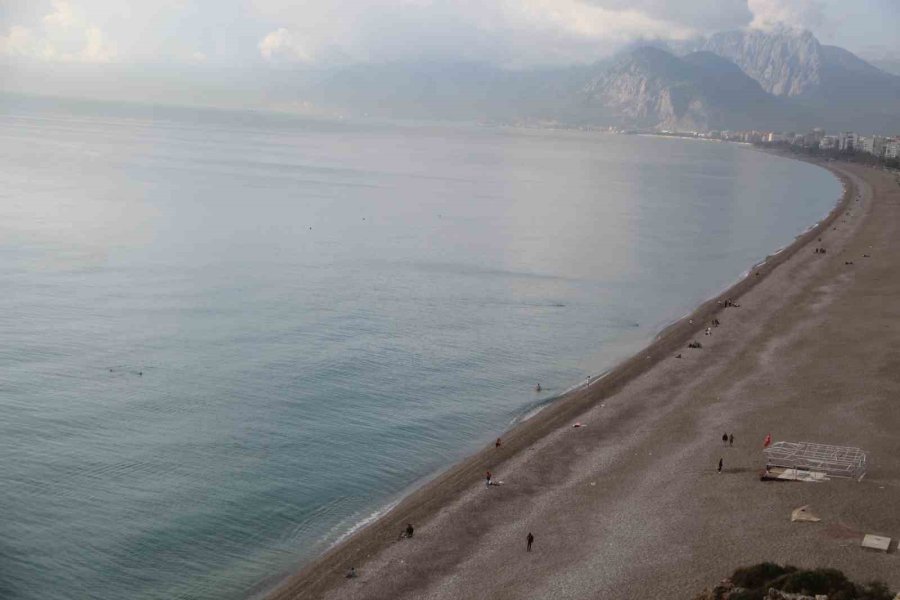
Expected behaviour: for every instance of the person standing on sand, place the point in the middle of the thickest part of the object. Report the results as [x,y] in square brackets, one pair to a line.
[487,479]
[725,438]
[720,465]
[498,443]
[731,440]
[530,540]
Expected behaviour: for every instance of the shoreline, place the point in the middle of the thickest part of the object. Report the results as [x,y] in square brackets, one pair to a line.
[426,499]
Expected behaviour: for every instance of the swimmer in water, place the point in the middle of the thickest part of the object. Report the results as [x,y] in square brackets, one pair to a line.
[537,388]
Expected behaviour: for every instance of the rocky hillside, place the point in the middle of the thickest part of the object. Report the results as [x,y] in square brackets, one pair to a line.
[784,63]
[651,88]
[840,88]
[737,80]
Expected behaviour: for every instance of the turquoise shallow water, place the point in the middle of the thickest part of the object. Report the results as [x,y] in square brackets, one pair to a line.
[229,337]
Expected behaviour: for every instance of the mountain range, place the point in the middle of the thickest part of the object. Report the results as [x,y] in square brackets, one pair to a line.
[746,79]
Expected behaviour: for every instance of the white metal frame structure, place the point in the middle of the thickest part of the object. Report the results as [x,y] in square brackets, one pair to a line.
[835,461]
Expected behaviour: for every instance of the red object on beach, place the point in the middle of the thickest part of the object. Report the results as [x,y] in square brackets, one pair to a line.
[767,441]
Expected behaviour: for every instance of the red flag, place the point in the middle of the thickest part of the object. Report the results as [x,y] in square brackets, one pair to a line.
[767,441]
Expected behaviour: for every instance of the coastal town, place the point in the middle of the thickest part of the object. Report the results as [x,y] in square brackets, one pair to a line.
[875,148]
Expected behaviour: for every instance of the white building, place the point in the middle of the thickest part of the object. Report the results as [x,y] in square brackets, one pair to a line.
[847,141]
[829,142]
[873,145]
[892,148]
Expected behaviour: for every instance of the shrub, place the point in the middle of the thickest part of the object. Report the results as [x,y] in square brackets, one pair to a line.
[754,583]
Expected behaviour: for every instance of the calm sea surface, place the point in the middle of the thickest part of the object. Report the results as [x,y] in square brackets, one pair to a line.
[227,338]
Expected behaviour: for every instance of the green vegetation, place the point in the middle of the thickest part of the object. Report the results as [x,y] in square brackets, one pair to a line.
[753,583]
[848,155]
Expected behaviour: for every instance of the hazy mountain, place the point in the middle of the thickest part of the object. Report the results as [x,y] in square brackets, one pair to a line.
[650,87]
[738,80]
[784,63]
[888,65]
[843,90]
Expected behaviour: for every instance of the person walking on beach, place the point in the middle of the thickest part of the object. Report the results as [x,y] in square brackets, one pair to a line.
[487,479]
[731,440]
[530,540]
[720,465]
[498,443]
[725,439]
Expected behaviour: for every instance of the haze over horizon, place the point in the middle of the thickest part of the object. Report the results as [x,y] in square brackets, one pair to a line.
[234,53]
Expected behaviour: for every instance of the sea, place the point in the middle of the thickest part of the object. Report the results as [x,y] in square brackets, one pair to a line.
[229,338]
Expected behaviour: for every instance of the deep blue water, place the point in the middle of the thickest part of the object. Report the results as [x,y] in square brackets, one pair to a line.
[229,337]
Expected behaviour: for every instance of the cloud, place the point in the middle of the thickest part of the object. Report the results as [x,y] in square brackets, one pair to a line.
[61,35]
[803,14]
[508,32]
[282,44]
[703,15]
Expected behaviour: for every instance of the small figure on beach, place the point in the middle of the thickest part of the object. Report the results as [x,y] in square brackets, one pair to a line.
[498,443]
[530,541]
[720,465]
[351,574]
[537,388]
[695,344]
[408,532]
[768,441]
[678,355]
[487,478]
[731,439]
[725,438]
[708,331]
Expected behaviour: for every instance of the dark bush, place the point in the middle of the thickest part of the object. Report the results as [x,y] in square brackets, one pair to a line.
[757,579]
[759,575]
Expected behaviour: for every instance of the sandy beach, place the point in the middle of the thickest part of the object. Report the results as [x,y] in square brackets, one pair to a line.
[631,505]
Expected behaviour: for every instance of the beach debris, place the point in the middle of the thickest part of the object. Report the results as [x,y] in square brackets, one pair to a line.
[678,355]
[351,574]
[407,533]
[579,424]
[695,344]
[876,542]
[804,515]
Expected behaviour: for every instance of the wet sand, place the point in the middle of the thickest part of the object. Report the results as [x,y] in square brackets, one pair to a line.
[631,505]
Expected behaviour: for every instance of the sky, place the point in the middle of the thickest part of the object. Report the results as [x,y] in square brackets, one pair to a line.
[54,44]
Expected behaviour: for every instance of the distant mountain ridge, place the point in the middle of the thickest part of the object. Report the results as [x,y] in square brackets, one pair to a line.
[651,88]
[778,80]
[835,84]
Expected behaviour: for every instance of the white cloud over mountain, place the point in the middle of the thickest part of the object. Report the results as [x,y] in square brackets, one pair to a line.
[503,32]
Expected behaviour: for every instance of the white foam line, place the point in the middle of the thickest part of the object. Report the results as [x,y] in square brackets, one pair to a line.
[361,523]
